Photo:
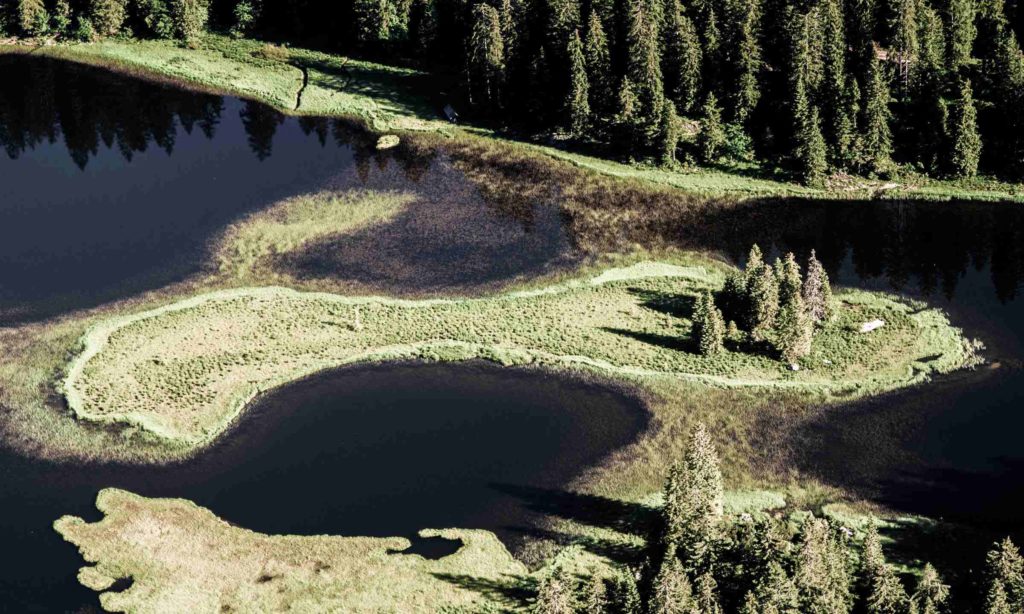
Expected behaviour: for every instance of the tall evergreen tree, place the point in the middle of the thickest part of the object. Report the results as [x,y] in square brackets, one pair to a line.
[668,133]
[708,326]
[595,596]
[189,17]
[643,69]
[790,283]
[371,19]
[711,139]
[486,62]
[625,596]
[671,592]
[742,53]
[838,107]
[884,591]
[107,16]
[1005,567]
[62,18]
[817,292]
[810,151]
[555,595]
[599,66]
[700,503]
[996,600]
[32,17]
[681,59]
[876,139]
[931,594]
[966,142]
[706,595]
[962,33]
[821,575]
[904,40]
[578,104]
[794,330]
[763,301]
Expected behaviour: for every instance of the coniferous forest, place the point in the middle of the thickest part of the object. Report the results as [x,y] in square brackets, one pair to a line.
[814,88]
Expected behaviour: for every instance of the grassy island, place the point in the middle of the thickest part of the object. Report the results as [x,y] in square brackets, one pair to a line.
[185,371]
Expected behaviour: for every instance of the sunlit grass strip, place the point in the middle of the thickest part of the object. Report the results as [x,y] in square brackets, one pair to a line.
[186,370]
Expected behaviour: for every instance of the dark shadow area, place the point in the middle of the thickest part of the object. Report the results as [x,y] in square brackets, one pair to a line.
[671,342]
[675,305]
[513,590]
[432,548]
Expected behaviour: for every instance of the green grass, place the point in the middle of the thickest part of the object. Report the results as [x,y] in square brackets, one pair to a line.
[185,371]
[182,558]
[387,98]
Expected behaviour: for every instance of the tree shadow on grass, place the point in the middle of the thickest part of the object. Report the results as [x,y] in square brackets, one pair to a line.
[512,591]
[671,342]
[670,303]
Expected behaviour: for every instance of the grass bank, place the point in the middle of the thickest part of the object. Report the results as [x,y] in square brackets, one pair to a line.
[387,98]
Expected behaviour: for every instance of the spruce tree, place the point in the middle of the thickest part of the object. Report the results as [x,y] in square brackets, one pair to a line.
[107,16]
[371,20]
[671,592]
[706,595]
[595,596]
[62,18]
[625,596]
[931,594]
[962,33]
[790,284]
[709,326]
[996,600]
[700,502]
[755,259]
[486,54]
[966,143]
[821,575]
[423,26]
[811,151]
[643,68]
[555,595]
[733,297]
[32,17]
[189,18]
[904,44]
[763,302]
[681,60]
[776,592]
[578,103]
[794,330]
[1005,566]
[838,108]
[817,292]
[711,139]
[887,595]
[668,134]
[627,121]
[876,139]
[599,66]
[744,54]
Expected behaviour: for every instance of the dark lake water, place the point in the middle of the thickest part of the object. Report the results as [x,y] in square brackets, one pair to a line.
[375,450]
[111,186]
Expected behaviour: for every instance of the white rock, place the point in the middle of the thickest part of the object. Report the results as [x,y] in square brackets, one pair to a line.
[867,327]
